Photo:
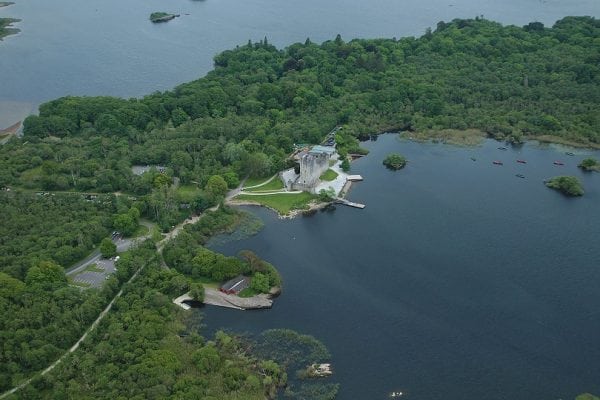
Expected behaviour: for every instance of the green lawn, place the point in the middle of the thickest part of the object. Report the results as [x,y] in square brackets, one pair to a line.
[248,292]
[142,230]
[207,282]
[275,184]
[283,203]
[329,175]
[255,181]
[187,193]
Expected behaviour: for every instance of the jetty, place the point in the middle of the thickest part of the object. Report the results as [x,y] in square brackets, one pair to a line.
[181,301]
[349,203]
[214,297]
[354,178]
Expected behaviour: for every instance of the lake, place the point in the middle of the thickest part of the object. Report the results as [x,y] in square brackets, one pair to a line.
[459,280]
[109,47]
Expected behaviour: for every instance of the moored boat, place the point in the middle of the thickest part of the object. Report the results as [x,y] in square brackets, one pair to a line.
[522,161]
[497,163]
[559,163]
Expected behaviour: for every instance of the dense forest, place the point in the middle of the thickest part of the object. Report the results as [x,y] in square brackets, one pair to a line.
[148,349]
[62,228]
[245,116]
[186,254]
[241,120]
[42,315]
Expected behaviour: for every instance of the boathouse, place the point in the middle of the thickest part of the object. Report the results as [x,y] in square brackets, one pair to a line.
[235,285]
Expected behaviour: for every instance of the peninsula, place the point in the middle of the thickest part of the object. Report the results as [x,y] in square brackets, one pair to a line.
[68,185]
[5,27]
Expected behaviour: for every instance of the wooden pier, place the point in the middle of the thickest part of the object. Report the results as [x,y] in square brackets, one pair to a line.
[349,203]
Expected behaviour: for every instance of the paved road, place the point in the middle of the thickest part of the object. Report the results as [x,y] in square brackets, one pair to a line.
[122,245]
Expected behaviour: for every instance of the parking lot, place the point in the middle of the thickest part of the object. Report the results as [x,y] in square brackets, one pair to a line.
[94,275]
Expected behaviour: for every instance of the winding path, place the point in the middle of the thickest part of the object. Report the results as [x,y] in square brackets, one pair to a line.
[93,258]
[89,260]
[76,345]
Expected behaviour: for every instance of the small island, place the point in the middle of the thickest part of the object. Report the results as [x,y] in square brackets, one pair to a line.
[568,185]
[162,17]
[590,164]
[394,162]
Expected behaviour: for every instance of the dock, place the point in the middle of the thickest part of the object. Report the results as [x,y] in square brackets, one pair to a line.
[354,178]
[349,203]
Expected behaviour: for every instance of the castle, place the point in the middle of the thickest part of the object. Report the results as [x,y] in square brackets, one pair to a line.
[312,164]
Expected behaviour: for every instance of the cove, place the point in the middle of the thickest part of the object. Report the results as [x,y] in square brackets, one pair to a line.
[457,281]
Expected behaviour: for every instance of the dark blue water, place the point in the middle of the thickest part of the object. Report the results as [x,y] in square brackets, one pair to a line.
[458,281]
[108,47]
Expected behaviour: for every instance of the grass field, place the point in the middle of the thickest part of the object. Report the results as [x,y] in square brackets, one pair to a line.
[275,184]
[283,203]
[209,283]
[187,193]
[248,292]
[142,230]
[255,181]
[329,175]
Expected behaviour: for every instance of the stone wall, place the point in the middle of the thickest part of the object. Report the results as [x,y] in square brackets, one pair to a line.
[311,167]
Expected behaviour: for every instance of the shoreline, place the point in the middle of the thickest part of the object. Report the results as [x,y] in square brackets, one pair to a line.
[439,137]
[7,133]
[8,29]
[214,297]
[314,206]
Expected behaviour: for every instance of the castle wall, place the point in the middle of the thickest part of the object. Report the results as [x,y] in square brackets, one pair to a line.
[311,167]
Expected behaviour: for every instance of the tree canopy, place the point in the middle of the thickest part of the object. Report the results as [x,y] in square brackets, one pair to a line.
[568,185]
[394,161]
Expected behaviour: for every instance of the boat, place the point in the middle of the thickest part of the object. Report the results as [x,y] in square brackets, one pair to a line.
[522,161]
[520,176]
[497,162]
[502,148]
[473,159]
[569,153]
[559,163]
[396,394]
